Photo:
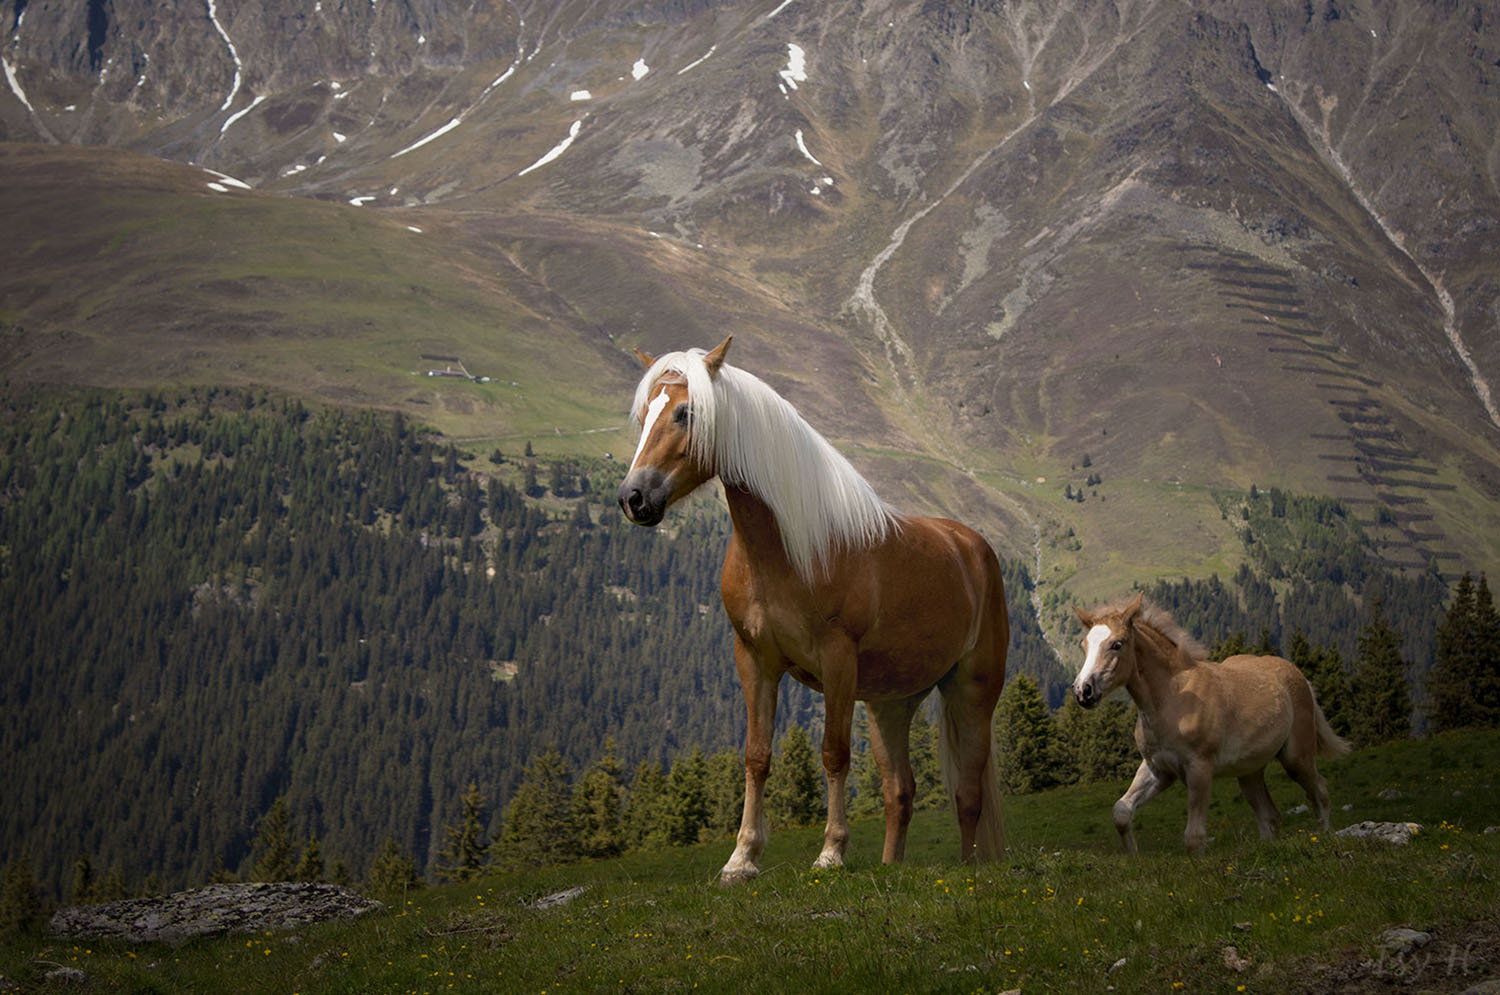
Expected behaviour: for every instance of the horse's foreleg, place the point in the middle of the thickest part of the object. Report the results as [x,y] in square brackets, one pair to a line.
[1200,781]
[839,678]
[890,738]
[1146,786]
[760,715]
[1267,816]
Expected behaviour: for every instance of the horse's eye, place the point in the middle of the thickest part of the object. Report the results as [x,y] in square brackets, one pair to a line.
[1116,646]
[682,415]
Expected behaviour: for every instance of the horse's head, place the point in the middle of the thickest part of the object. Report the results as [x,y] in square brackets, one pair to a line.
[1109,652]
[666,466]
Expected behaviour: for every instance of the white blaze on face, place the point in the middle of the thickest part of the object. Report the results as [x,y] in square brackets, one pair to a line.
[1095,640]
[653,412]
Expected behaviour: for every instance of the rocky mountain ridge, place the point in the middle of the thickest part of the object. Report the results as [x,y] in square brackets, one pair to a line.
[1198,245]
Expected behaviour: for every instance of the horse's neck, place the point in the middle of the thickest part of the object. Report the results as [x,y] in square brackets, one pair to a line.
[755,527]
[1156,670]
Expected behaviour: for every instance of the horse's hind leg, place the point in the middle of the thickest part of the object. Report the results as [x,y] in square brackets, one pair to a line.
[890,739]
[1146,786]
[1305,773]
[1267,816]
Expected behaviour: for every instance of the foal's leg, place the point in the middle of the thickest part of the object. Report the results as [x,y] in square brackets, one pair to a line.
[839,678]
[760,714]
[1146,786]
[1305,773]
[1267,816]
[1199,779]
[890,738]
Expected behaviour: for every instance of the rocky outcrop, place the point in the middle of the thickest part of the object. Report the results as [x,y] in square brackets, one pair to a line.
[217,908]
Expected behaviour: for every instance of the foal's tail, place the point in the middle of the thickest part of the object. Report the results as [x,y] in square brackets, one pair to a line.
[989,834]
[1330,744]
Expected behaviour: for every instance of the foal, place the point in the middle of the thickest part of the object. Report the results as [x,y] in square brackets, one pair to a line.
[1201,720]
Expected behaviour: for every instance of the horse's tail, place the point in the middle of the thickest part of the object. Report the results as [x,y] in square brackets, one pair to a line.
[989,834]
[1330,743]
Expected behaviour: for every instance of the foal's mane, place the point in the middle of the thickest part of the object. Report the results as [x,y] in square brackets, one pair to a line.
[756,440]
[1159,619]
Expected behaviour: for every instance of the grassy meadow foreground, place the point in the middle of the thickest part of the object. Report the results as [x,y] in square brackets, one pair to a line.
[1067,913]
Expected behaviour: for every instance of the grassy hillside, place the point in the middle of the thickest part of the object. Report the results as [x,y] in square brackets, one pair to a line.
[1067,913]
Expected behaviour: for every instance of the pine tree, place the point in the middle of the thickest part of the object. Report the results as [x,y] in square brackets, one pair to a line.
[272,848]
[1095,744]
[393,873]
[794,790]
[20,900]
[1454,678]
[925,768]
[687,788]
[598,806]
[467,850]
[1381,702]
[726,794]
[539,828]
[84,881]
[1025,754]
[1324,670]
[1487,637]
[310,866]
[647,817]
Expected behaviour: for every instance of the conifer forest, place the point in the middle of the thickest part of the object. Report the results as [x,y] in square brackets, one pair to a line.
[233,627]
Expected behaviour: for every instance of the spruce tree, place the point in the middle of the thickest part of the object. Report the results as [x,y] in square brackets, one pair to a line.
[688,794]
[1095,744]
[393,873]
[310,866]
[1025,754]
[539,827]
[598,806]
[20,900]
[647,817]
[1381,702]
[1324,670]
[467,849]
[726,793]
[1487,640]
[84,881]
[272,849]
[925,768]
[794,794]
[1452,682]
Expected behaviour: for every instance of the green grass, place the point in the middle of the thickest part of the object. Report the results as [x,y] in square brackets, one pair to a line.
[1056,917]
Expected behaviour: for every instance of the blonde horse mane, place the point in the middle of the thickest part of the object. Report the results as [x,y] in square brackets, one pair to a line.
[1159,619]
[755,439]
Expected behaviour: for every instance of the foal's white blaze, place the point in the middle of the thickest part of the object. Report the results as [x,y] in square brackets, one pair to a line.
[1094,641]
[653,412]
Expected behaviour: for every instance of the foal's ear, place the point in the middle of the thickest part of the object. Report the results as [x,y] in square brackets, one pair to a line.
[1134,608]
[646,361]
[715,359]
[1084,617]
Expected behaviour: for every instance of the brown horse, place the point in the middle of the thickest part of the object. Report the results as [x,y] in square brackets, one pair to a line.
[824,581]
[1201,720]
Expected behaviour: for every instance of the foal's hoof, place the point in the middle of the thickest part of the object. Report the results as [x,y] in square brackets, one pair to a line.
[729,877]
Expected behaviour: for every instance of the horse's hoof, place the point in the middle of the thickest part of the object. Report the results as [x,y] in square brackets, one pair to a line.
[728,878]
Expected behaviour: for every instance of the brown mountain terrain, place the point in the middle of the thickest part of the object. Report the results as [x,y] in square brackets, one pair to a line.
[1001,253]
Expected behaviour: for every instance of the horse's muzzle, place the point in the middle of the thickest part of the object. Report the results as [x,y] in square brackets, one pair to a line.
[643,496]
[1086,693]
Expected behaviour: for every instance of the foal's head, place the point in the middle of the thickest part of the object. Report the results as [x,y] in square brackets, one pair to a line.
[666,467]
[1109,644]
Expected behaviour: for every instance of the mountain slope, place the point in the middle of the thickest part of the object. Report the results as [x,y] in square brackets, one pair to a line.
[1189,245]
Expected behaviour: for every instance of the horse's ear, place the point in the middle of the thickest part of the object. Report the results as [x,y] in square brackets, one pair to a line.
[1084,617]
[715,359]
[646,361]
[1134,608]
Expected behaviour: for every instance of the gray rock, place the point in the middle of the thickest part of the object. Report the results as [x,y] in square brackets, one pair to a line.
[217,908]
[1402,940]
[1399,833]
